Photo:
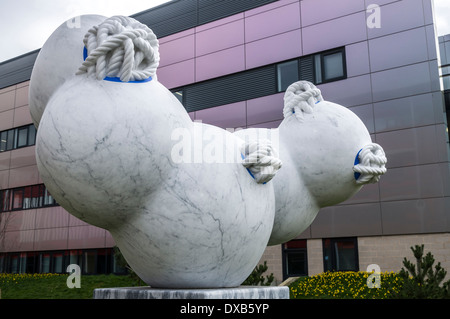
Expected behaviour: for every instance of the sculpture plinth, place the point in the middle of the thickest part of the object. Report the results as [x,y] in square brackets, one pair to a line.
[243,292]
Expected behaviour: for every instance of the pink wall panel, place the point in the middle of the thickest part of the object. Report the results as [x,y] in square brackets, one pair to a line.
[177,74]
[334,33]
[225,116]
[329,9]
[73,221]
[23,176]
[4,179]
[51,217]
[273,49]
[19,220]
[265,109]
[86,237]
[220,63]
[177,50]
[19,240]
[269,23]
[219,38]
[7,99]
[23,157]
[6,120]
[51,238]
[109,240]
[22,116]
[21,96]
[272,124]
[5,158]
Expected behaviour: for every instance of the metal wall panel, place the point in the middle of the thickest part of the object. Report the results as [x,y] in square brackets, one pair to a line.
[17,70]
[230,89]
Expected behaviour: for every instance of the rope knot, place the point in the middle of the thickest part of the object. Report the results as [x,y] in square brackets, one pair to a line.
[261,160]
[300,97]
[121,47]
[370,164]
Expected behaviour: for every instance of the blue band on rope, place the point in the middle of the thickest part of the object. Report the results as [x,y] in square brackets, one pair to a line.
[116,79]
[356,174]
[248,170]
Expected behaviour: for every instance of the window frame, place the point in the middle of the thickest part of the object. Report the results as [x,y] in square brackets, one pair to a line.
[285,255]
[11,137]
[322,55]
[277,70]
[333,261]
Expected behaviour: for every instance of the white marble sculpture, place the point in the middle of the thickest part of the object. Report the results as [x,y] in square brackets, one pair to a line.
[113,144]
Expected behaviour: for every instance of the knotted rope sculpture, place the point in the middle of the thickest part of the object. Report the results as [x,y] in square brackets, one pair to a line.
[121,47]
[261,160]
[370,164]
[300,97]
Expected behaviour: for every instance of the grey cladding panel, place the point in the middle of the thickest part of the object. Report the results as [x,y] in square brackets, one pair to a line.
[17,70]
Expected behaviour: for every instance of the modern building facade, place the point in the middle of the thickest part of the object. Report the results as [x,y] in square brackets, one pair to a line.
[229,63]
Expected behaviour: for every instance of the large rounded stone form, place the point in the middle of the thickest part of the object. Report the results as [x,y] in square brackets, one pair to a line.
[103,150]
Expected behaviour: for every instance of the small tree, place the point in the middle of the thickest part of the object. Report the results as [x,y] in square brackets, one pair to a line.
[256,278]
[421,280]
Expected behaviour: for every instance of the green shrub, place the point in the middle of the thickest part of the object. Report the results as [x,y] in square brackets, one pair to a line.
[257,279]
[421,281]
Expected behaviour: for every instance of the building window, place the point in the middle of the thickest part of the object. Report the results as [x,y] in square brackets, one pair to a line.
[28,197]
[330,66]
[295,261]
[91,261]
[340,254]
[287,73]
[17,138]
[318,68]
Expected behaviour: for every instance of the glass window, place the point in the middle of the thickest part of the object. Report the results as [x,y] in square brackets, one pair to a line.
[22,139]
[2,263]
[18,198]
[14,263]
[44,263]
[89,259]
[318,69]
[10,140]
[26,198]
[295,262]
[31,134]
[287,73]
[48,198]
[5,200]
[333,66]
[30,262]
[340,254]
[57,263]
[3,138]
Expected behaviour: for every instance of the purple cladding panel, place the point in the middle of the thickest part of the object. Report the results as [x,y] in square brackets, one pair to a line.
[219,38]
[273,49]
[265,109]
[269,23]
[177,74]
[225,116]
[220,63]
[177,50]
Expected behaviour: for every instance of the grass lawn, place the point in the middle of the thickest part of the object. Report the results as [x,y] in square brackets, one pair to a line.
[53,286]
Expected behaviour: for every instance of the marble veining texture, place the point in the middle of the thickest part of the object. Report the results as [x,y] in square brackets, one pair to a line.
[105,151]
[225,293]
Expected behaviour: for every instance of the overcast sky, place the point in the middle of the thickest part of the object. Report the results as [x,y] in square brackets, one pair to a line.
[26,24]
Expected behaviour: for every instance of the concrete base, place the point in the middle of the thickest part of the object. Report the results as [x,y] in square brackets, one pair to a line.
[243,292]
